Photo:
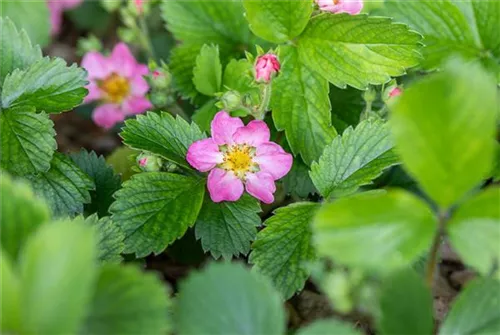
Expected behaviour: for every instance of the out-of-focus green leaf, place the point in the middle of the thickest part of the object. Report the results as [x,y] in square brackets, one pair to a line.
[204,116]
[207,74]
[10,318]
[33,17]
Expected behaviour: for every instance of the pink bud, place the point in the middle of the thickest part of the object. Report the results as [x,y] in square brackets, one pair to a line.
[265,66]
[352,7]
[396,91]
[156,74]
[143,161]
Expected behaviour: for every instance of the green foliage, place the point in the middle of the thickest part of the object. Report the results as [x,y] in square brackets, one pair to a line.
[10,318]
[207,74]
[237,76]
[278,21]
[109,238]
[155,208]
[122,160]
[297,182]
[301,107]
[354,159]
[182,61]
[328,326]
[227,228]
[33,17]
[204,116]
[358,50]
[347,106]
[445,125]
[228,299]
[162,134]
[375,231]
[283,250]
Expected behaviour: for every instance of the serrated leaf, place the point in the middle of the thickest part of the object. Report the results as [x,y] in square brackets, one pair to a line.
[297,182]
[474,231]
[278,21]
[10,318]
[27,141]
[16,225]
[33,17]
[182,61]
[105,180]
[109,238]
[162,134]
[128,301]
[207,73]
[301,107]
[328,326]
[476,311]
[354,159]
[395,227]
[237,76]
[47,85]
[227,298]
[64,186]
[16,51]
[455,134]
[358,50]
[154,209]
[283,250]
[226,229]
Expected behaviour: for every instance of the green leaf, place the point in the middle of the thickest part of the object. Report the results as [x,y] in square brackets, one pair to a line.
[27,141]
[128,301]
[237,76]
[283,250]
[297,182]
[227,228]
[455,134]
[163,135]
[347,105]
[109,238]
[394,227]
[406,305]
[10,318]
[354,159]
[182,62]
[33,17]
[16,225]
[278,21]
[329,326]
[358,50]
[122,160]
[16,51]
[57,271]
[48,85]
[227,298]
[476,310]
[474,231]
[207,74]
[105,180]
[154,209]
[204,116]
[64,187]
[301,107]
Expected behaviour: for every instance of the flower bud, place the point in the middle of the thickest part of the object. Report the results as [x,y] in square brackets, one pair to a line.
[231,100]
[352,7]
[148,162]
[265,66]
[391,91]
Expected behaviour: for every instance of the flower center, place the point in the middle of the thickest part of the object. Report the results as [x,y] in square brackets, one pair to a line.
[239,159]
[115,87]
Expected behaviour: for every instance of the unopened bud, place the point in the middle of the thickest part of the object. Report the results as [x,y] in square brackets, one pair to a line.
[231,100]
[266,66]
[148,162]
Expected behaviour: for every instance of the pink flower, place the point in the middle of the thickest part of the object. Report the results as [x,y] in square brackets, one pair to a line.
[239,156]
[56,9]
[352,7]
[117,81]
[396,91]
[265,66]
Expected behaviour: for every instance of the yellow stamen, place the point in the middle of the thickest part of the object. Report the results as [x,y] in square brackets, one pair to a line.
[116,88]
[239,159]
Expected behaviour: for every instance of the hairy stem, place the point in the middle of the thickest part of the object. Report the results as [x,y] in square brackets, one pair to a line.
[264,103]
[433,254]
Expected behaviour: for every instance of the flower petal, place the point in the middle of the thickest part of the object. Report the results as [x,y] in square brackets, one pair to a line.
[204,155]
[94,92]
[97,65]
[254,133]
[273,159]
[136,105]
[261,186]
[224,186]
[138,85]
[107,115]
[223,128]
[122,60]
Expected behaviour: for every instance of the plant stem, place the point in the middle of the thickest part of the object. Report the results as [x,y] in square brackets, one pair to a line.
[146,40]
[264,103]
[433,255]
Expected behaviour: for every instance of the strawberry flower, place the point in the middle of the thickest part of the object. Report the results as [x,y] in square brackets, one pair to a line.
[56,9]
[239,157]
[265,66]
[117,82]
[352,7]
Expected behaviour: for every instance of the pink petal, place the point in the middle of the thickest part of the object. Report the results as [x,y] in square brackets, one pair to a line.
[204,155]
[261,186]
[56,13]
[97,65]
[139,85]
[273,160]
[141,70]
[223,127]
[122,60]
[107,115]
[352,7]
[94,92]
[254,133]
[136,105]
[224,186]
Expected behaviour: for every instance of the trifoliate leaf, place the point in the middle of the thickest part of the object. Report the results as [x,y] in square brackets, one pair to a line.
[109,238]
[155,208]
[328,326]
[33,17]
[47,84]
[297,182]
[182,61]
[354,159]
[105,180]
[10,318]
[64,187]
[227,228]
[16,51]
[358,50]
[27,141]
[127,301]
[207,74]
[455,134]
[395,228]
[278,21]
[21,214]
[227,298]
[301,107]
[162,134]
[204,116]
[283,250]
